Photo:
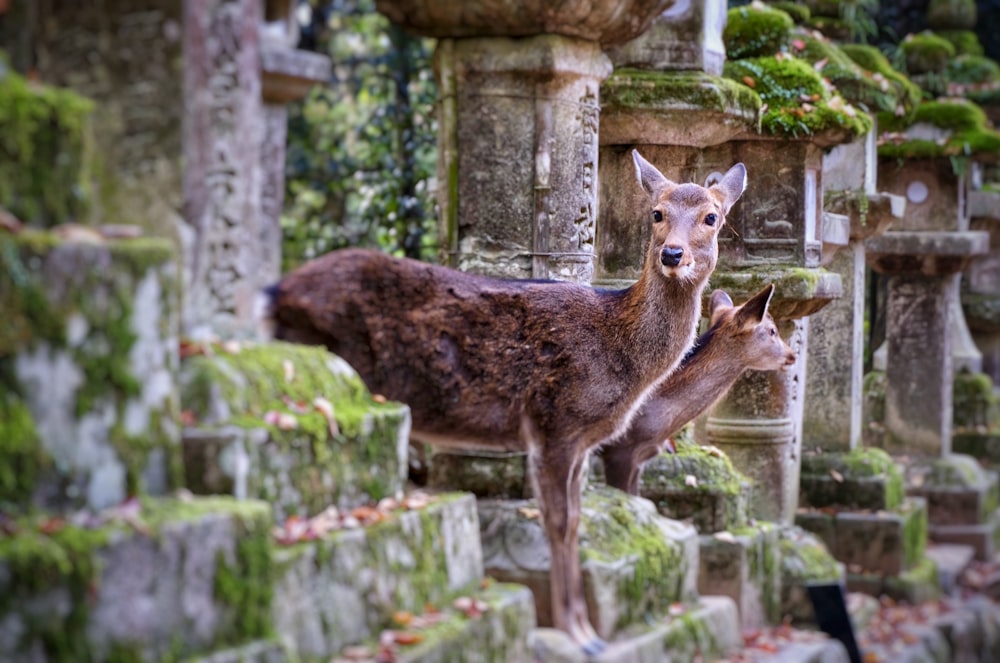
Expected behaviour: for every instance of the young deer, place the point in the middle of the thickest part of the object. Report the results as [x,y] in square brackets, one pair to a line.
[738,338]
[552,368]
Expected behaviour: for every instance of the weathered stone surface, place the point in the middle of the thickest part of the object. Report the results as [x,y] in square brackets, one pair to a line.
[932,192]
[518,149]
[951,560]
[635,562]
[503,475]
[882,542]
[714,498]
[263,651]
[914,585]
[344,588]
[804,560]
[866,478]
[984,537]
[746,567]
[686,36]
[709,628]
[984,447]
[981,285]
[89,343]
[958,490]
[199,578]
[608,21]
[260,431]
[852,166]
[924,253]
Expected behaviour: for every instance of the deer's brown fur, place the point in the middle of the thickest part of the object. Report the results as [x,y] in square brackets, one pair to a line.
[739,338]
[553,368]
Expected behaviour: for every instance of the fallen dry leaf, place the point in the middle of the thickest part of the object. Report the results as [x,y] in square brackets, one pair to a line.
[837,476]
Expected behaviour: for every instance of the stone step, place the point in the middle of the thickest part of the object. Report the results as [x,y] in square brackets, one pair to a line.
[635,562]
[866,478]
[951,560]
[498,628]
[290,424]
[983,537]
[885,542]
[958,490]
[915,585]
[161,578]
[746,567]
[345,587]
[707,629]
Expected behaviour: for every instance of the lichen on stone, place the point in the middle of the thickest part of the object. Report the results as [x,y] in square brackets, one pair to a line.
[926,52]
[755,31]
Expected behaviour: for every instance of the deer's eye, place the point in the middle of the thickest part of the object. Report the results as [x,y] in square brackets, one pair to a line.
[710,219]
[774,332]
[657,216]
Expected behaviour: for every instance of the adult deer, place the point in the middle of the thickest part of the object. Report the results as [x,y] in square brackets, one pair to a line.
[739,338]
[552,368]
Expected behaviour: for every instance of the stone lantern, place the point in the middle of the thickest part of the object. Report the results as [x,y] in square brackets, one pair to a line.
[519,113]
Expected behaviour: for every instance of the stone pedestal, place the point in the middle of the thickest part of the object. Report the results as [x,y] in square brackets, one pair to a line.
[923,270]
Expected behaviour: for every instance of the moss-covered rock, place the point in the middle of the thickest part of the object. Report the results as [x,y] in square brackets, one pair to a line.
[863,478]
[926,52]
[755,31]
[799,104]
[952,14]
[44,150]
[966,42]
[89,347]
[804,560]
[800,13]
[870,90]
[24,458]
[872,60]
[964,123]
[160,582]
[291,424]
[975,403]
[968,70]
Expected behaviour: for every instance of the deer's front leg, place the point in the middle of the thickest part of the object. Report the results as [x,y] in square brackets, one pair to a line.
[558,482]
[621,469]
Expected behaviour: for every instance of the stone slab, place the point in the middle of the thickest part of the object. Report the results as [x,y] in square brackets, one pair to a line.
[171,578]
[804,561]
[344,588]
[865,478]
[983,537]
[957,489]
[746,568]
[635,562]
[880,542]
[951,559]
[705,630]
[913,585]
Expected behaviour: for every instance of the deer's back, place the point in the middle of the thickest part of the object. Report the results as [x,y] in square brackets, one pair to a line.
[468,353]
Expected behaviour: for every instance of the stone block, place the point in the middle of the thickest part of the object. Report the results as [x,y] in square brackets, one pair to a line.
[804,560]
[957,489]
[697,485]
[89,341]
[635,562]
[914,585]
[744,566]
[709,628]
[881,542]
[984,447]
[484,474]
[864,478]
[984,537]
[290,424]
[687,36]
[951,560]
[171,578]
[344,588]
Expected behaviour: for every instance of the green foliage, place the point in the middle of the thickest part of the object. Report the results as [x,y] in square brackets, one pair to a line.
[44,148]
[871,90]
[753,31]
[799,102]
[361,152]
[926,52]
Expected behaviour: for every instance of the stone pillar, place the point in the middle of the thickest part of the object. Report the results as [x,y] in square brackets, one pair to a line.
[835,367]
[519,114]
[981,288]
[518,151]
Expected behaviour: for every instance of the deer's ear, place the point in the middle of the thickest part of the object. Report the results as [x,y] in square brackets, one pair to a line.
[732,185]
[718,303]
[651,179]
[755,308]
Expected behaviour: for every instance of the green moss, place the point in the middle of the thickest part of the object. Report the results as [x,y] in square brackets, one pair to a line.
[972,70]
[636,88]
[966,121]
[966,42]
[870,59]
[714,470]
[835,28]
[975,403]
[44,150]
[20,447]
[799,13]
[865,88]
[805,559]
[754,31]
[926,52]
[914,535]
[798,104]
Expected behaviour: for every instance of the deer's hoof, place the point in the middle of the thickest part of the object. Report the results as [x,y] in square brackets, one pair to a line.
[594,647]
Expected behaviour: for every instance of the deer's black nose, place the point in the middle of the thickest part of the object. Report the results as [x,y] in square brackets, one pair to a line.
[671,256]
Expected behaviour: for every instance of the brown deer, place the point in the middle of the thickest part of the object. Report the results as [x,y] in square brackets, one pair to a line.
[551,368]
[739,338]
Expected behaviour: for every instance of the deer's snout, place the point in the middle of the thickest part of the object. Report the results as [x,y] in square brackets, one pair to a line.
[671,256]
